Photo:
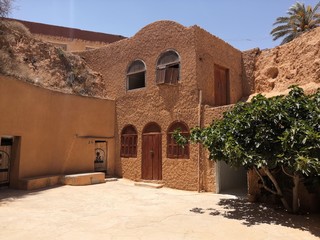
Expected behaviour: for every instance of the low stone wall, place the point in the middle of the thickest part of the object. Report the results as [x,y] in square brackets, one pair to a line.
[72,179]
[39,182]
[83,179]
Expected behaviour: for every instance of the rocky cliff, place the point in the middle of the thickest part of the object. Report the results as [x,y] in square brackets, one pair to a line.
[294,63]
[31,60]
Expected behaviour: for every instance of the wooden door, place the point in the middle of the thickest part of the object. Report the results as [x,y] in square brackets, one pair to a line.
[151,156]
[220,86]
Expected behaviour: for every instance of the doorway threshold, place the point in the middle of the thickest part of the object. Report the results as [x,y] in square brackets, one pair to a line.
[147,184]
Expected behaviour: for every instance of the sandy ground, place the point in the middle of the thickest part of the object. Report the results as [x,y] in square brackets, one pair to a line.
[120,210]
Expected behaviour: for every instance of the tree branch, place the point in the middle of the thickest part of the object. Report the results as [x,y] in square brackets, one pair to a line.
[263,182]
[279,191]
[289,175]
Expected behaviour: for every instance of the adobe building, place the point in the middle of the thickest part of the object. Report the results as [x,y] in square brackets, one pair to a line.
[45,134]
[165,77]
[69,39]
[168,76]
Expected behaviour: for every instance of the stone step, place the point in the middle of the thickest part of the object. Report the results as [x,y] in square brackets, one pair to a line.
[34,183]
[84,179]
[147,184]
[111,179]
[71,179]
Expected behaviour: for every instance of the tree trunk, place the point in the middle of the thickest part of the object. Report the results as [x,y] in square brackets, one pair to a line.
[278,189]
[295,192]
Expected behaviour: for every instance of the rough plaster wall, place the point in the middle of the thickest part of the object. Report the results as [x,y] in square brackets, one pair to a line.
[210,51]
[249,59]
[214,113]
[129,168]
[162,104]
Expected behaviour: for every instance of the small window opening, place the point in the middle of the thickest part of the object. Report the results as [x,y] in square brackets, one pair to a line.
[136,75]
[168,68]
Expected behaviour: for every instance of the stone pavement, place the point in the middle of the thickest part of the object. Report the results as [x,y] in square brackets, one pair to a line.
[120,210]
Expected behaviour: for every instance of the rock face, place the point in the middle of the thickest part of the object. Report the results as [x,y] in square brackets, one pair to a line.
[45,65]
[249,59]
[294,63]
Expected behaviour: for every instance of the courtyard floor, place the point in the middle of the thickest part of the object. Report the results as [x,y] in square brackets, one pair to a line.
[120,210]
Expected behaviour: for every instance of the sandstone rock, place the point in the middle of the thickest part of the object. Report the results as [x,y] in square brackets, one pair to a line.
[294,63]
[45,65]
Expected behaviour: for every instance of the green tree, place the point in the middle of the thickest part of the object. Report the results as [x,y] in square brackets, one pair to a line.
[268,135]
[299,20]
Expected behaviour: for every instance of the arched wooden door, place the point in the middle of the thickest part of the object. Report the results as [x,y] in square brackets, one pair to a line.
[151,152]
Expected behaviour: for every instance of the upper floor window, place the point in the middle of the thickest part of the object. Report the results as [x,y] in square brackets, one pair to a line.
[173,149]
[129,139]
[221,86]
[168,68]
[136,75]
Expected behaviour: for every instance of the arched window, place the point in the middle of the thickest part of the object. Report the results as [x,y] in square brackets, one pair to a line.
[173,149]
[136,75]
[168,68]
[129,139]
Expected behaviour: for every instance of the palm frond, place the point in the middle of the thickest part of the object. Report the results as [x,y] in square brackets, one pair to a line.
[287,39]
[315,9]
[278,35]
[299,19]
[281,20]
[281,28]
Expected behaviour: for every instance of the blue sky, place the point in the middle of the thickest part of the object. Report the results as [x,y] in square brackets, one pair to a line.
[245,24]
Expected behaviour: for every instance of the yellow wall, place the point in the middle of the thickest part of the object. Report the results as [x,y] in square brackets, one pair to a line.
[51,126]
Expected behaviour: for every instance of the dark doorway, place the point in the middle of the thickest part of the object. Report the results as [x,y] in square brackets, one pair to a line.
[230,180]
[101,153]
[152,152]
[5,157]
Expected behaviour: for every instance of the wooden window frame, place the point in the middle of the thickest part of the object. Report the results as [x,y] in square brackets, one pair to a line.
[175,151]
[136,73]
[168,72]
[129,142]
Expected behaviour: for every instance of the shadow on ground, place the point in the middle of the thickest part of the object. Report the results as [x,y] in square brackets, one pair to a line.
[256,213]
[8,195]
